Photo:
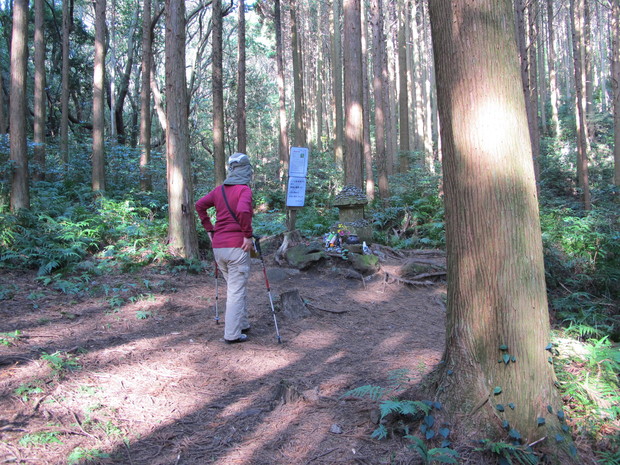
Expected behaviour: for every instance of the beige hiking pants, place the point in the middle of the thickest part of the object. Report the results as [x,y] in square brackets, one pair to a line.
[234,264]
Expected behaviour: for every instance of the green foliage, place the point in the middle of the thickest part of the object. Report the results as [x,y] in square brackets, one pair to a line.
[40,438]
[81,455]
[404,414]
[587,373]
[415,215]
[26,390]
[59,361]
[435,455]
[509,453]
[10,338]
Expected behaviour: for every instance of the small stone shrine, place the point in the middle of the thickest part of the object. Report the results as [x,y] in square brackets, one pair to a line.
[350,202]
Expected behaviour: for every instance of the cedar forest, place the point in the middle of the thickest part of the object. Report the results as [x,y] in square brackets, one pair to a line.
[487,131]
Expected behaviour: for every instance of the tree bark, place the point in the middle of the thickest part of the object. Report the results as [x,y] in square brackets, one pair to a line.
[123,87]
[403,100]
[354,118]
[367,148]
[576,14]
[337,71]
[182,236]
[145,99]
[527,73]
[616,86]
[497,303]
[241,126]
[39,91]
[3,120]
[20,194]
[298,80]
[553,85]
[532,12]
[283,132]
[64,98]
[98,157]
[218,94]
[378,46]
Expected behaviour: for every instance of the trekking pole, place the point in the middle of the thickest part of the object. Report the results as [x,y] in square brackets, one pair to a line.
[217,313]
[273,311]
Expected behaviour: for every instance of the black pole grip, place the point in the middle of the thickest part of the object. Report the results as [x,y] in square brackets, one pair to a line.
[257,244]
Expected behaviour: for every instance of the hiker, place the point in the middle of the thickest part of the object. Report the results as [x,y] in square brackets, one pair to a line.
[231,239]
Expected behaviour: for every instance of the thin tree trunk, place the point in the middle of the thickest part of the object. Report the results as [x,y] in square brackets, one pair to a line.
[283,133]
[3,119]
[367,148]
[497,302]
[378,81]
[354,118]
[576,14]
[39,91]
[389,93]
[337,70]
[416,83]
[298,81]
[64,98]
[145,99]
[158,100]
[428,95]
[553,85]
[532,12]
[587,60]
[218,94]
[403,101]
[20,194]
[182,236]
[241,126]
[98,157]
[123,87]
[112,74]
[616,86]
[320,64]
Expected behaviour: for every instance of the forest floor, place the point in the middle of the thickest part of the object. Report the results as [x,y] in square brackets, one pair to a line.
[131,368]
[142,375]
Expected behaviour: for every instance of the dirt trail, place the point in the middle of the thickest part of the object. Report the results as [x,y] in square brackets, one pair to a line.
[156,385]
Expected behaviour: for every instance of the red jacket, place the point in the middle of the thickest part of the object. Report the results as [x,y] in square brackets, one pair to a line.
[227,232]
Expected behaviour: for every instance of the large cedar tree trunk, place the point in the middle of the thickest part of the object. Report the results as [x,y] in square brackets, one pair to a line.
[353,106]
[182,236]
[497,303]
[20,194]
[218,94]
[98,158]
[145,99]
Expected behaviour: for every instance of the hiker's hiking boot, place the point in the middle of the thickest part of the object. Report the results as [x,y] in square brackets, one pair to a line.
[241,338]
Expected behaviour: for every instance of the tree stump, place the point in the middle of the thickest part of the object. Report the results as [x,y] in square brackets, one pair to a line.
[292,306]
[291,239]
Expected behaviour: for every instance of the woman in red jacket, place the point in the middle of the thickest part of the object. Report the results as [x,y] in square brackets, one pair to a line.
[231,238]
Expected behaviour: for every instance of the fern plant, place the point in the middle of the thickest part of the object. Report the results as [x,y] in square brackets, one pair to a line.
[509,454]
[408,412]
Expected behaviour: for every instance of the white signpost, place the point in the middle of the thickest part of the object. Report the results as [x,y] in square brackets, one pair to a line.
[297,172]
